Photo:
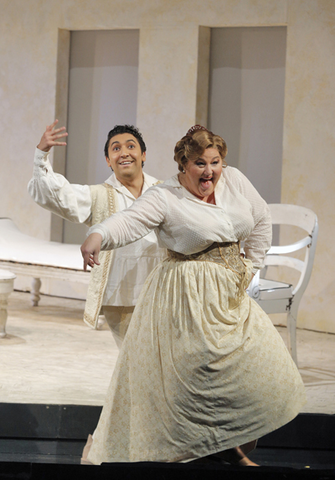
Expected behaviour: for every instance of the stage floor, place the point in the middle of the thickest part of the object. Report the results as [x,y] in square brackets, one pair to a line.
[51,357]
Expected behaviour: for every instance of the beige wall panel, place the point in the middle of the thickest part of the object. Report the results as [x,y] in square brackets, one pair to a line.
[309,144]
[166,93]
[81,14]
[204,46]
[28,55]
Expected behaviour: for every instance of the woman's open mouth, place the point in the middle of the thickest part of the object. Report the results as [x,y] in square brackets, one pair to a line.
[206,182]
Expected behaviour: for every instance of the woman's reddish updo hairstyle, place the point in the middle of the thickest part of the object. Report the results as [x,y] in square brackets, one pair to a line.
[195,142]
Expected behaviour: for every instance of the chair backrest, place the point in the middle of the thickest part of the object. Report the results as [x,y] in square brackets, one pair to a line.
[305,219]
[283,214]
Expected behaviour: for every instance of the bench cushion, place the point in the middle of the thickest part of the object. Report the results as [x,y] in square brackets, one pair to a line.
[15,246]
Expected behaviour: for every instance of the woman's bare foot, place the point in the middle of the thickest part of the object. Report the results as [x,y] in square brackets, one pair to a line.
[248,447]
[86,450]
[236,456]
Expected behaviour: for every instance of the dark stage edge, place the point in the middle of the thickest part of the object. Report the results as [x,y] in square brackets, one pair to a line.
[46,441]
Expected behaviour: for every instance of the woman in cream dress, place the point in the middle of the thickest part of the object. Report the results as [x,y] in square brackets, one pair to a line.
[202,370]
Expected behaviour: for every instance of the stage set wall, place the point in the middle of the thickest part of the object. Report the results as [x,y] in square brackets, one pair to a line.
[174,38]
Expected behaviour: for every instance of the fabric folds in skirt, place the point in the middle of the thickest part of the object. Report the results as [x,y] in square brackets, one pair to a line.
[202,368]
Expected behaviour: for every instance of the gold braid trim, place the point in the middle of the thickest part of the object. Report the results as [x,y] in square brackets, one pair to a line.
[104,204]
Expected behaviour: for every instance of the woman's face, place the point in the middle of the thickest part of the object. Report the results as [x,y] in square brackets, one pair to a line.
[202,175]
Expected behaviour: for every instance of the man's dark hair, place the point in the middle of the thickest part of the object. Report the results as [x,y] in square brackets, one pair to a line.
[119,129]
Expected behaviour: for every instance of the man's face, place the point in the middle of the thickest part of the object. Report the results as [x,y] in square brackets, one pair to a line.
[125,157]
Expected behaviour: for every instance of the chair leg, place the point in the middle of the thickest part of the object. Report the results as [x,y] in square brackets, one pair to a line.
[291,330]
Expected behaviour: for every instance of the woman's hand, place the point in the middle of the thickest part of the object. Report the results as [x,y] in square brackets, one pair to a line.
[90,250]
[50,137]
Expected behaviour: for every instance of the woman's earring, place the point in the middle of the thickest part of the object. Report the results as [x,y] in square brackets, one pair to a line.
[183,171]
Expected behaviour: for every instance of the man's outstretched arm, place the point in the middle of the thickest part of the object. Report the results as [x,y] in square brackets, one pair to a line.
[51,190]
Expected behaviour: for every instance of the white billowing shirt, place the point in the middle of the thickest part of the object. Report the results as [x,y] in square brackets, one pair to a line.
[188,225]
[131,264]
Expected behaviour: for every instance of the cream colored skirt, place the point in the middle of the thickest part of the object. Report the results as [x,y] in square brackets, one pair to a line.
[201,370]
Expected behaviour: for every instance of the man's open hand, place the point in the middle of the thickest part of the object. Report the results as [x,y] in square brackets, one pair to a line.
[51,136]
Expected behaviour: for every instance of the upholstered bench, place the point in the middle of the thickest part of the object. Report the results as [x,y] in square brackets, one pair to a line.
[25,255]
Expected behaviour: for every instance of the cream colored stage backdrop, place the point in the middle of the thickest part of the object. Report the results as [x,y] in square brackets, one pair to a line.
[172,95]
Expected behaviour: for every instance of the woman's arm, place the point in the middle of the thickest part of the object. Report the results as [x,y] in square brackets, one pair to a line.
[259,241]
[133,223]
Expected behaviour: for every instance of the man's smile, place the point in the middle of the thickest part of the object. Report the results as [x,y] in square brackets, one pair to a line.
[126,162]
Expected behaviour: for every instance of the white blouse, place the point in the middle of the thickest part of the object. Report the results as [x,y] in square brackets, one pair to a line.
[188,225]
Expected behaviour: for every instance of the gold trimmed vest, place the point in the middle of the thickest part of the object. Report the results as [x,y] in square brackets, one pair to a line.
[104,204]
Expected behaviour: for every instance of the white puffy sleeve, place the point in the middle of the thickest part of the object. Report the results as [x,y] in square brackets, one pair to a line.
[53,192]
[133,223]
[259,241]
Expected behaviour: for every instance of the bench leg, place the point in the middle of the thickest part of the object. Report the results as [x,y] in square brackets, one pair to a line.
[35,291]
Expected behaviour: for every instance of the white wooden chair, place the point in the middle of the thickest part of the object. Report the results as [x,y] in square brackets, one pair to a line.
[278,297]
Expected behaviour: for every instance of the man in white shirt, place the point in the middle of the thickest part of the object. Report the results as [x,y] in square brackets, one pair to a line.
[116,283]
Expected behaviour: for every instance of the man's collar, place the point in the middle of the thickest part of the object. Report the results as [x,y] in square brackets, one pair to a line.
[114,182]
